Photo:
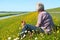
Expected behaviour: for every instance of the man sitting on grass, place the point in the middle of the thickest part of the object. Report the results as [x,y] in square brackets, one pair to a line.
[44,22]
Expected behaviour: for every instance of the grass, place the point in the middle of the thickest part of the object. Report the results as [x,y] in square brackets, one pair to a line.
[10,27]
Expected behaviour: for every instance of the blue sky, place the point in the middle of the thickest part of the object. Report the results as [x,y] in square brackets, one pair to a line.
[26,5]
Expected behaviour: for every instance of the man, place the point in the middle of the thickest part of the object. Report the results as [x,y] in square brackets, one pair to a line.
[44,22]
[44,19]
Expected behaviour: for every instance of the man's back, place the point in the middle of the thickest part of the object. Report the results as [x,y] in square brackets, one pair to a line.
[46,21]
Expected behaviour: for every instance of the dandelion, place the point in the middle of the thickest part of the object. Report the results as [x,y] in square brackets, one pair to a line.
[16,38]
[18,34]
[33,31]
[21,33]
[58,25]
[53,32]
[29,32]
[19,28]
[57,31]
[35,38]
[9,38]
[41,34]
[23,36]
[26,31]
[57,38]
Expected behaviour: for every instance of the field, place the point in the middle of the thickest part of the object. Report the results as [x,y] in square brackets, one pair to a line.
[10,13]
[12,26]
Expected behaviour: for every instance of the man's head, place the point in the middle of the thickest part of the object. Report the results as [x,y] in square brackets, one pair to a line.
[40,7]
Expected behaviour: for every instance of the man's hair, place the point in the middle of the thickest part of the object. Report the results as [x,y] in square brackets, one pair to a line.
[40,7]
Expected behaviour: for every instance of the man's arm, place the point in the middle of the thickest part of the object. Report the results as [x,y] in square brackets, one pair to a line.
[39,20]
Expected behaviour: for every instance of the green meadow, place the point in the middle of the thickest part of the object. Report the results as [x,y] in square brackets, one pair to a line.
[10,27]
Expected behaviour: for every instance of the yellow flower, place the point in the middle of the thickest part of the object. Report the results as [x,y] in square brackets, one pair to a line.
[41,34]
[57,31]
[35,38]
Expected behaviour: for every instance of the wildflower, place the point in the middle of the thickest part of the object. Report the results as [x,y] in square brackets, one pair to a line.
[53,32]
[41,34]
[21,32]
[58,25]
[18,34]
[19,27]
[57,31]
[35,38]
[29,32]
[33,31]
[16,38]
[26,31]
[9,38]
[23,36]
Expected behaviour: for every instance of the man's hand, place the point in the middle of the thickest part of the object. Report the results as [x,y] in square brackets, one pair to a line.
[37,25]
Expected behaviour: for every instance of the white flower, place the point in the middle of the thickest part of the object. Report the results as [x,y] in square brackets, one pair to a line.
[33,31]
[23,36]
[16,38]
[26,31]
[21,33]
[9,38]
[35,38]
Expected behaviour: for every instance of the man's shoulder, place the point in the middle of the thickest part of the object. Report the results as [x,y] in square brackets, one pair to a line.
[42,13]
